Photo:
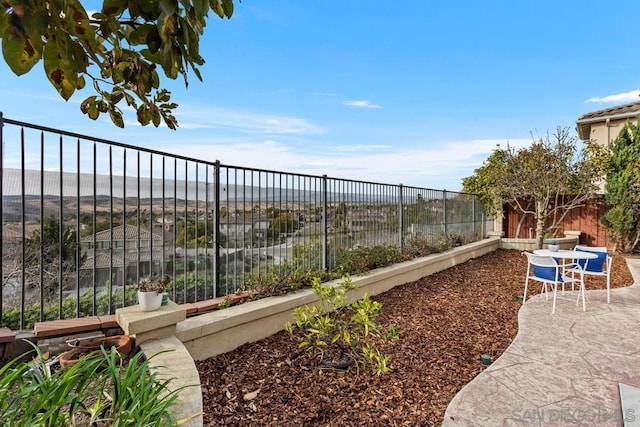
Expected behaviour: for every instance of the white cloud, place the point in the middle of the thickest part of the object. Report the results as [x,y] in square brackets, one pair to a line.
[630,96]
[361,104]
[432,165]
[192,116]
[362,147]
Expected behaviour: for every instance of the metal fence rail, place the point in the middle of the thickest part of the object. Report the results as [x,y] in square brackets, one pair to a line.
[85,219]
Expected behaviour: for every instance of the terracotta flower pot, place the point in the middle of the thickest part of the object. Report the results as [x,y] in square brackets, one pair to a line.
[122,343]
[149,301]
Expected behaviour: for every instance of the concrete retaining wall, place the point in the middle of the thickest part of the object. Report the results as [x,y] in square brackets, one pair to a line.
[221,331]
[530,245]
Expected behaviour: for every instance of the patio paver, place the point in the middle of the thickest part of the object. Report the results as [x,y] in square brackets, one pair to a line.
[561,369]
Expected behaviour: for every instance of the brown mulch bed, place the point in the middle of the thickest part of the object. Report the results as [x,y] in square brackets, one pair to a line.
[446,321]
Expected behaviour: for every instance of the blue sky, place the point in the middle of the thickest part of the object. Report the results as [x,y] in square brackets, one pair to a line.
[416,92]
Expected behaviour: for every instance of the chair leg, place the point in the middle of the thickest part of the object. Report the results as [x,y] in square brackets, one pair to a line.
[555,291]
[582,293]
[526,285]
[608,287]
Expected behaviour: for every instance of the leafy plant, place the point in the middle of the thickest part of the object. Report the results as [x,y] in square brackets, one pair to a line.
[280,280]
[133,393]
[335,331]
[153,284]
[363,259]
[420,245]
[102,388]
[226,303]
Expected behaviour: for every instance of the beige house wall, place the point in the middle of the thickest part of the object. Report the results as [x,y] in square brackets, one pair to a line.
[604,126]
[606,131]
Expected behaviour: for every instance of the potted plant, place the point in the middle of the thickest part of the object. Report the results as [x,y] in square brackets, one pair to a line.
[150,292]
[553,245]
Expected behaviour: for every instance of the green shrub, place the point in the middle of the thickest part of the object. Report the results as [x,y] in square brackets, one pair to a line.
[363,259]
[11,317]
[280,280]
[335,331]
[190,287]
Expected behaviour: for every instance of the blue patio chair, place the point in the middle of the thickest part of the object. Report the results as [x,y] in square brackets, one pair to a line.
[546,270]
[600,266]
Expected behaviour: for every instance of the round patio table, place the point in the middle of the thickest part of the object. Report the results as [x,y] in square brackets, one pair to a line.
[566,254]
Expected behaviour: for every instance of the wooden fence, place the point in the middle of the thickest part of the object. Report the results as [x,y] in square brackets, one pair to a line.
[585,219]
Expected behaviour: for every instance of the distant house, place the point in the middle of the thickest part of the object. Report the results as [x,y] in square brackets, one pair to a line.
[603,126]
[235,230]
[129,236]
[122,254]
[261,228]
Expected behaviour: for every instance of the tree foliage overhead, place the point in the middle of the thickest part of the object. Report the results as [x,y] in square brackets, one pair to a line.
[547,179]
[117,49]
[623,190]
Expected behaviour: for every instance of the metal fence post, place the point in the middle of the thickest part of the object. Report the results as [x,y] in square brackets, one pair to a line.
[325,231]
[473,212]
[444,211]
[400,219]
[216,227]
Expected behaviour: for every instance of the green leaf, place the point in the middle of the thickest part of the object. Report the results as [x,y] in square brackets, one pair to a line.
[142,34]
[86,104]
[59,65]
[113,7]
[35,25]
[93,112]
[168,7]
[116,117]
[200,7]
[20,54]
[78,19]
[81,83]
[4,21]
[167,27]
[217,8]
[227,5]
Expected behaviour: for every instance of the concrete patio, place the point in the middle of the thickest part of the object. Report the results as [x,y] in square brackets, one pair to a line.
[562,369]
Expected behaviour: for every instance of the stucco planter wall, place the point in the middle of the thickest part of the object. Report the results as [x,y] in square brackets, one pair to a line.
[221,331]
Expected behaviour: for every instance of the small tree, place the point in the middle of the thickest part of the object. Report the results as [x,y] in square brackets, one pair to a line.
[339,333]
[52,254]
[284,223]
[547,179]
[622,220]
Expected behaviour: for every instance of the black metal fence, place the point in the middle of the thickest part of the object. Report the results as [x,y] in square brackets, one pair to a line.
[85,219]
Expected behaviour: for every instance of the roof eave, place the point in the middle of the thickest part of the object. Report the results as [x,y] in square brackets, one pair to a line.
[584,125]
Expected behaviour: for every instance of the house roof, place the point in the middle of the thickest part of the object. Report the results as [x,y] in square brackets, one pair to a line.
[104,260]
[618,112]
[119,231]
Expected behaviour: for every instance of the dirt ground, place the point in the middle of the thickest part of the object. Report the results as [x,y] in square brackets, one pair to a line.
[446,321]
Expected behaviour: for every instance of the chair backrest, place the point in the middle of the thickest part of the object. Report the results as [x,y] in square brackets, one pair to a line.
[544,267]
[596,265]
